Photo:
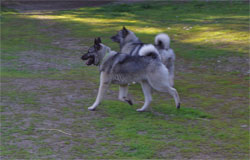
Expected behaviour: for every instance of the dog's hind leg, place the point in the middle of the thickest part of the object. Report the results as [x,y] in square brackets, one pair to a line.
[104,84]
[172,92]
[175,94]
[171,76]
[170,66]
[123,94]
[160,81]
[147,94]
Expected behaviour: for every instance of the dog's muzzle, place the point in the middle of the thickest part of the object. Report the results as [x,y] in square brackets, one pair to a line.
[90,59]
[115,39]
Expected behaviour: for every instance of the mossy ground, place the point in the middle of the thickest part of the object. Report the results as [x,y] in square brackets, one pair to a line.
[46,86]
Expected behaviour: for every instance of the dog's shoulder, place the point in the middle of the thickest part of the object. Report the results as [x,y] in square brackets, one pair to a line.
[121,58]
[112,61]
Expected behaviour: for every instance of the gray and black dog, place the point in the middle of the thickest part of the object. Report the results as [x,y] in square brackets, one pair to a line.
[130,44]
[145,68]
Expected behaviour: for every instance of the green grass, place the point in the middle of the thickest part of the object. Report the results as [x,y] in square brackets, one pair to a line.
[215,32]
[25,98]
[14,73]
[26,37]
[210,124]
[143,135]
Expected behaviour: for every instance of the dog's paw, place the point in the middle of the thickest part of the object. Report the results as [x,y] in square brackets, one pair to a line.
[129,101]
[140,110]
[178,106]
[91,108]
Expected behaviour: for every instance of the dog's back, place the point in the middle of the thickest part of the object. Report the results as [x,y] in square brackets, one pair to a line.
[124,68]
[130,44]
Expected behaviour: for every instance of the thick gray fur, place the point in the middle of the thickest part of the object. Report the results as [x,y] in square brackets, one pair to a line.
[131,44]
[122,69]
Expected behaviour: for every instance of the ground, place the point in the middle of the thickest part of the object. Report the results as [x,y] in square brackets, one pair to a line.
[46,88]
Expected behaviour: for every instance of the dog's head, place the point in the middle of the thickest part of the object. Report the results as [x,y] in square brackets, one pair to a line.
[94,54]
[121,36]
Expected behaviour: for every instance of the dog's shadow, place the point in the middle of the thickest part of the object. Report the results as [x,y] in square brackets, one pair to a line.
[166,111]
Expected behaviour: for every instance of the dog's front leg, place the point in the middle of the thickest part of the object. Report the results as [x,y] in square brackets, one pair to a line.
[104,83]
[123,94]
[147,94]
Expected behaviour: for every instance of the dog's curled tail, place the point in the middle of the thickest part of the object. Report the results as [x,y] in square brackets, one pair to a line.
[149,50]
[162,40]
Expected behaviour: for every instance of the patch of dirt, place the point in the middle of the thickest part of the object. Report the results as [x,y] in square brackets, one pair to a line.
[57,107]
[36,61]
[184,66]
[218,66]
[232,64]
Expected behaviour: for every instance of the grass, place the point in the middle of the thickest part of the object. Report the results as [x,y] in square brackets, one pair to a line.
[212,123]
[144,134]
[25,38]
[193,27]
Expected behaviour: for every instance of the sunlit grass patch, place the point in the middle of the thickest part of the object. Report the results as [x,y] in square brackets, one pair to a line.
[218,37]
[70,17]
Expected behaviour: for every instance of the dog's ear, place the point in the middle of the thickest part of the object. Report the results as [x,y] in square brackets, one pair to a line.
[97,44]
[96,41]
[99,40]
[124,32]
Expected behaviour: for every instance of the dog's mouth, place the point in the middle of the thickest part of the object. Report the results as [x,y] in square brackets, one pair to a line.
[90,61]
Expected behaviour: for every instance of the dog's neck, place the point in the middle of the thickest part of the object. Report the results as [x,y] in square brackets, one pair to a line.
[131,40]
[129,46]
[108,52]
[135,40]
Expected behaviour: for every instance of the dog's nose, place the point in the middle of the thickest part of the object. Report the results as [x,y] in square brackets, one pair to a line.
[83,57]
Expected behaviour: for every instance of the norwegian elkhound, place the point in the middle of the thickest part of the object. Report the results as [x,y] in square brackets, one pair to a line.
[118,68]
[130,44]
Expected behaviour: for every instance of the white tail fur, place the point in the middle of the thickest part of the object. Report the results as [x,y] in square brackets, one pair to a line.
[148,49]
[162,40]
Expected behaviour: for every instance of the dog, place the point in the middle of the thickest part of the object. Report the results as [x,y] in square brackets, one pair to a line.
[145,68]
[131,44]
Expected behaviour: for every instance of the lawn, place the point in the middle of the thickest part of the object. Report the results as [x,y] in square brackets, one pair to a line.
[46,88]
